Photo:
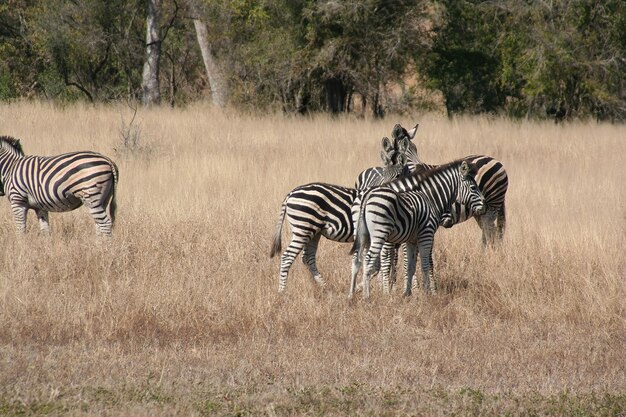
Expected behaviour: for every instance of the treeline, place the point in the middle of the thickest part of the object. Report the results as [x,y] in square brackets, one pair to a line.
[559,58]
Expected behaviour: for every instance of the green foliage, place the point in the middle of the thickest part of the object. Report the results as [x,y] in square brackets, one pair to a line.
[462,63]
[86,43]
[524,58]
[515,58]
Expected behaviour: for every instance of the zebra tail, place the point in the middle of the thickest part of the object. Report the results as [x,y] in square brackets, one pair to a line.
[276,243]
[112,205]
[361,233]
[109,194]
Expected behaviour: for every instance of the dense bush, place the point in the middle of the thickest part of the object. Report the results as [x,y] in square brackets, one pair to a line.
[560,58]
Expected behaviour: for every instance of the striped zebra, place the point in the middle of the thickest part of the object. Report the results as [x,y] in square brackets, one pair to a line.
[57,183]
[408,211]
[491,178]
[318,209]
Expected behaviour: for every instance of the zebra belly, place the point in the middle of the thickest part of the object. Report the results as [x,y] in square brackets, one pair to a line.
[67,203]
[342,236]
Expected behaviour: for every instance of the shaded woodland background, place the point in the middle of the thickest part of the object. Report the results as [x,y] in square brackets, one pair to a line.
[533,59]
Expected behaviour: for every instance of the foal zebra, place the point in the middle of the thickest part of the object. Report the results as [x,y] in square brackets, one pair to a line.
[408,210]
[319,209]
[57,183]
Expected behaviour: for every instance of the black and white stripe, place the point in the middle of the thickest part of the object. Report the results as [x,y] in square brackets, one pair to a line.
[58,183]
[319,209]
[491,178]
[408,210]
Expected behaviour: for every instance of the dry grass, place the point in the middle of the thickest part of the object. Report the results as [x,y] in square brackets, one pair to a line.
[178,313]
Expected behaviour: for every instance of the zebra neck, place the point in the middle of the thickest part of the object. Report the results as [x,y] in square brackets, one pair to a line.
[7,159]
[441,187]
[442,190]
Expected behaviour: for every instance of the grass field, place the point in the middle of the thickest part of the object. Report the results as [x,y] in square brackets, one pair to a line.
[178,313]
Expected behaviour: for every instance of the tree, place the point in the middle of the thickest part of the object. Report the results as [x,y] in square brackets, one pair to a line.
[214,73]
[150,86]
[463,62]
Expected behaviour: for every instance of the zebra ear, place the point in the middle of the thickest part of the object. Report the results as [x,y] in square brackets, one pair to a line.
[403,145]
[411,133]
[401,159]
[384,157]
[464,169]
[387,145]
[398,132]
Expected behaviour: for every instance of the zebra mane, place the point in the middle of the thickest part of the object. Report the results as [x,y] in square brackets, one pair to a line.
[13,143]
[422,174]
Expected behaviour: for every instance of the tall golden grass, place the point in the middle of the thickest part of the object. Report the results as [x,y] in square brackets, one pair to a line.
[178,313]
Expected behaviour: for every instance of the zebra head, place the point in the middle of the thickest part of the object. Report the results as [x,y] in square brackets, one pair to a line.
[399,135]
[469,194]
[394,162]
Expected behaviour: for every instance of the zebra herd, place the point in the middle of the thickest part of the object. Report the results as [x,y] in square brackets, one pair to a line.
[401,203]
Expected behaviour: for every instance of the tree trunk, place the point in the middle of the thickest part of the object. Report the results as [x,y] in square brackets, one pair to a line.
[214,74]
[151,94]
[335,95]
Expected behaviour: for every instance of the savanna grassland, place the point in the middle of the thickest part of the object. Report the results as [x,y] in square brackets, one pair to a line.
[178,313]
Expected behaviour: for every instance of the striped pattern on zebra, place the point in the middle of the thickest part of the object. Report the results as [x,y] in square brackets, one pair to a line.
[491,178]
[391,154]
[408,210]
[58,183]
[319,209]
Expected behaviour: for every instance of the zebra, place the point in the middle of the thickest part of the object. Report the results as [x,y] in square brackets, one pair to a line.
[408,210]
[319,209]
[57,183]
[491,178]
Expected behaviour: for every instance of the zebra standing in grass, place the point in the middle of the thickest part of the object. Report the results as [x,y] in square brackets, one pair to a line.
[408,210]
[319,209]
[491,178]
[57,183]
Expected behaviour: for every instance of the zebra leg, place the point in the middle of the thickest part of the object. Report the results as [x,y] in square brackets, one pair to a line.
[409,260]
[394,266]
[500,222]
[356,265]
[19,214]
[289,255]
[413,282]
[388,256]
[372,265]
[308,258]
[44,226]
[487,223]
[425,247]
[98,212]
